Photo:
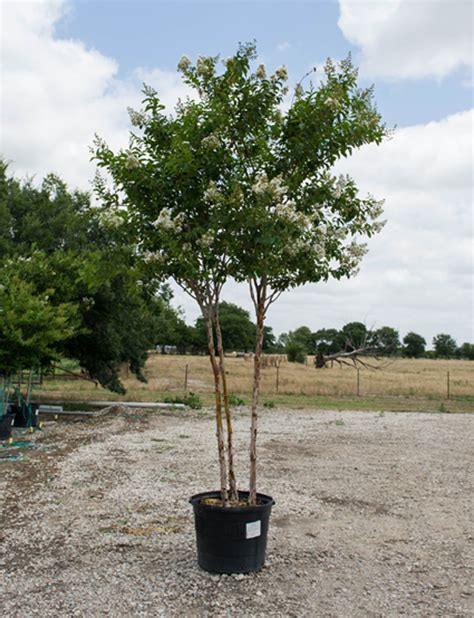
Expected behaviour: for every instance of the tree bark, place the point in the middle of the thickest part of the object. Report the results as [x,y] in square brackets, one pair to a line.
[259,298]
[218,395]
[228,416]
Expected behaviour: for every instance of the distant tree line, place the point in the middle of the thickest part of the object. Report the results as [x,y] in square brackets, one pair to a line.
[384,342]
[238,332]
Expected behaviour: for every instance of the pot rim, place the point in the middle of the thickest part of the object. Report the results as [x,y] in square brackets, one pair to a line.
[195,500]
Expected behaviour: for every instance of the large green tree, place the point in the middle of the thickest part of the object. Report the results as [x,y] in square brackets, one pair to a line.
[71,254]
[238,330]
[444,346]
[413,345]
[385,341]
[31,327]
[466,350]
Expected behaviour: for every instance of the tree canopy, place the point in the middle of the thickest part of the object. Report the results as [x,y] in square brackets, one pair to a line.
[413,345]
[233,185]
[444,346]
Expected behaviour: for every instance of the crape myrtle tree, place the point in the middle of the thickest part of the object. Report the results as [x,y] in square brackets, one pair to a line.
[233,185]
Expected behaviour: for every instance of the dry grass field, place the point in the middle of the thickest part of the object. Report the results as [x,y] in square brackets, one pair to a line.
[402,384]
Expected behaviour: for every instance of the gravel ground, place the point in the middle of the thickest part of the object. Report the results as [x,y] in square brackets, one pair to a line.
[373,517]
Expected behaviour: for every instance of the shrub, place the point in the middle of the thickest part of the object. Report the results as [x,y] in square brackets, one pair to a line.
[295,353]
[235,400]
[192,400]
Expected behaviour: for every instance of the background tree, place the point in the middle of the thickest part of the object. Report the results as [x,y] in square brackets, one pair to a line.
[30,326]
[282,342]
[295,352]
[354,336]
[466,350]
[238,330]
[385,341]
[413,345]
[269,340]
[444,346]
[327,341]
[302,339]
[71,253]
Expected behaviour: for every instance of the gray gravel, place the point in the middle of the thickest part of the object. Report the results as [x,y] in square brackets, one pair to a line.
[373,517]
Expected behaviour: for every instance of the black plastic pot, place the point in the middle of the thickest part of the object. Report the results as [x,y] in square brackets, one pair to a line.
[233,539]
[6,424]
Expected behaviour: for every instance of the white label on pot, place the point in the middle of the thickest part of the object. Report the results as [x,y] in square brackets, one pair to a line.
[253,529]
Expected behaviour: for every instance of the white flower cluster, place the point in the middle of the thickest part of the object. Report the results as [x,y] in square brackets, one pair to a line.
[299,91]
[154,257]
[207,240]
[205,67]
[167,222]
[352,256]
[333,103]
[339,234]
[184,64]
[319,250]
[373,210]
[211,141]
[138,119]
[287,211]
[297,246]
[376,208]
[212,195]
[377,226]
[111,218]
[261,72]
[132,161]
[282,73]
[274,186]
[341,184]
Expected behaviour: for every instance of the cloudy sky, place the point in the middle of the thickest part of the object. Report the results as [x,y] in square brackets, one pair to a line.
[71,68]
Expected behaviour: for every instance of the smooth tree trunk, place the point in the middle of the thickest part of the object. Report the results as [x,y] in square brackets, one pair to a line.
[219,424]
[259,299]
[228,416]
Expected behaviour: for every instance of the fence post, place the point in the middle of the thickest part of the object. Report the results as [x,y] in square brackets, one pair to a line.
[186,378]
[358,383]
[447,386]
[277,377]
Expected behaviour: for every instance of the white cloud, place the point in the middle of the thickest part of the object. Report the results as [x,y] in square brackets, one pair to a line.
[409,38]
[283,46]
[57,93]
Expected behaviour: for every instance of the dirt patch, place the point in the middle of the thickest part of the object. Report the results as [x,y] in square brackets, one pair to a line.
[373,517]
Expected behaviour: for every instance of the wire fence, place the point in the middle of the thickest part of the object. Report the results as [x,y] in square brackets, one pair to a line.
[423,378]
